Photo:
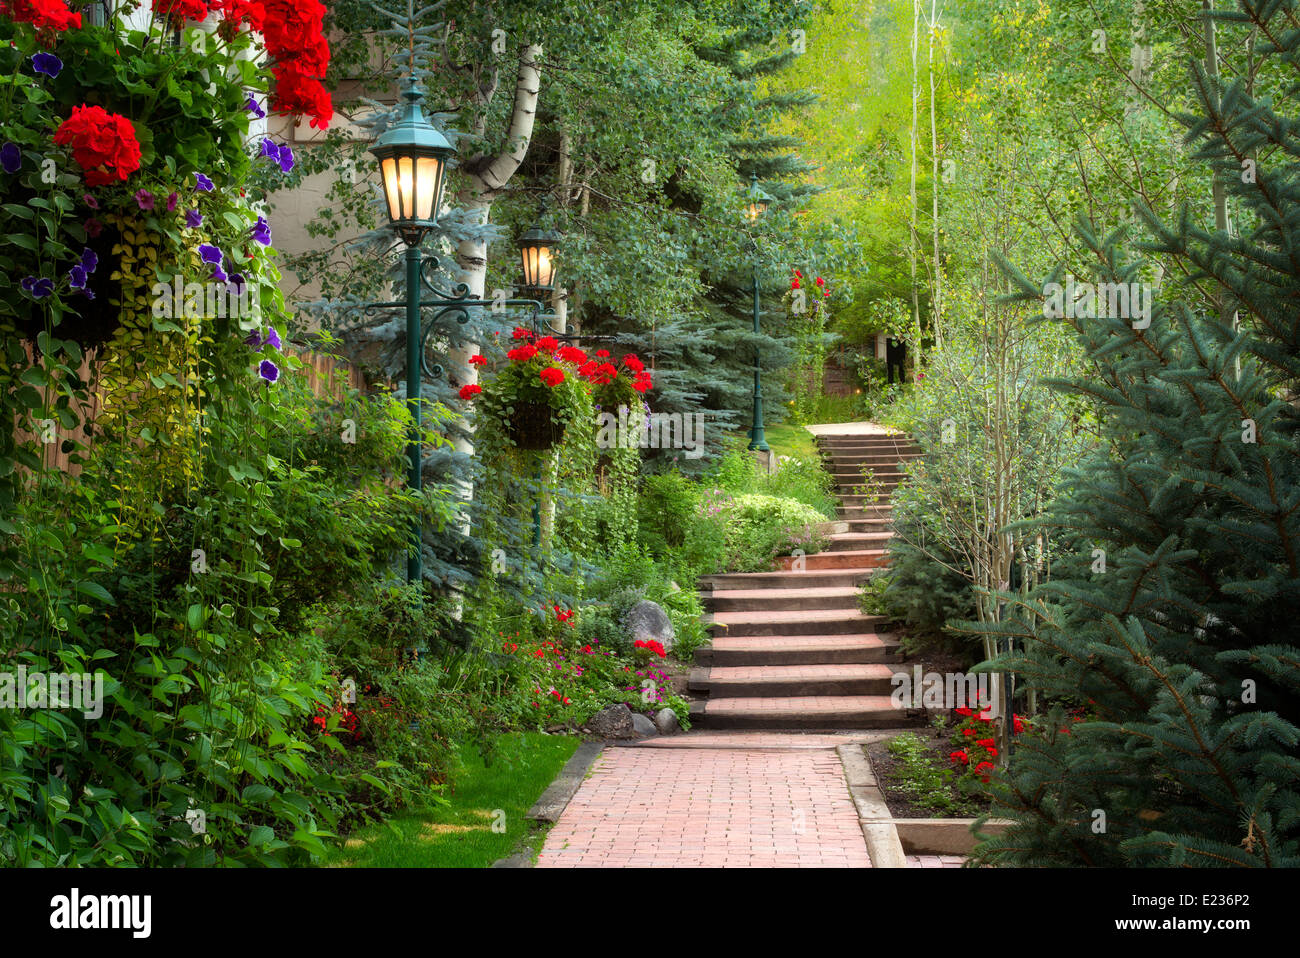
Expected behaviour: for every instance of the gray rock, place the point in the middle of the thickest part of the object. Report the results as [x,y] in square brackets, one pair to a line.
[643,726]
[647,621]
[666,722]
[615,721]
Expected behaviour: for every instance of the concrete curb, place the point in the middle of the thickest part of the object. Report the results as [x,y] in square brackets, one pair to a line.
[556,798]
[548,808]
[883,844]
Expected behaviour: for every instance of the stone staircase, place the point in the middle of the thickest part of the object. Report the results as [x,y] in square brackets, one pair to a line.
[790,649]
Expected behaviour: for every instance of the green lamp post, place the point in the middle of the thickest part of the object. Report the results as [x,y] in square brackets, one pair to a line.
[413,157]
[757,205]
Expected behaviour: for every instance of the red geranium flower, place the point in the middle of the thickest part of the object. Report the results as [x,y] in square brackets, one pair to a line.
[42,14]
[602,354]
[296,93]
[820,281]
[178,11]
[521,354]
[477,360]
[547,344]
[470,391]
[959,756]
[103,144]
[552,376]
[795,284]
[633,363]
[572,354]
[521,332]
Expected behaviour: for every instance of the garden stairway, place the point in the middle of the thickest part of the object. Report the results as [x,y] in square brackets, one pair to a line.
[790,649]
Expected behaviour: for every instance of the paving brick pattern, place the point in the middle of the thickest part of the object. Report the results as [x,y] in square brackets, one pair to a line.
[934,861]
[707,808]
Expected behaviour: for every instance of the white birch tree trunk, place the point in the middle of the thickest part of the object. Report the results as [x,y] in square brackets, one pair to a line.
[486,178]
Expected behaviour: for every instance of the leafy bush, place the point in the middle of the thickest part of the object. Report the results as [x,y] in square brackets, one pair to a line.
[755,529]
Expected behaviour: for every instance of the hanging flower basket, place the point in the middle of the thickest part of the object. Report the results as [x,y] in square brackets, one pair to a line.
[534,426]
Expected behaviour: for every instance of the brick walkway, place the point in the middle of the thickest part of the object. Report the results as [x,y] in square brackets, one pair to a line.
[934,861]
[709,807]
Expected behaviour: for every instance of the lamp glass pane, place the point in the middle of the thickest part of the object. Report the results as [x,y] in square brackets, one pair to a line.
[406,186]
[545,267]
[427,174]
[388,167]
[528,254]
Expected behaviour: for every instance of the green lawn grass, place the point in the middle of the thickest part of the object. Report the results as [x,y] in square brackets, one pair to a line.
[461,835]
[789,439]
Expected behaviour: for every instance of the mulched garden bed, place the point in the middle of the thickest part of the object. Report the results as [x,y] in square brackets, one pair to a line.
[902,804]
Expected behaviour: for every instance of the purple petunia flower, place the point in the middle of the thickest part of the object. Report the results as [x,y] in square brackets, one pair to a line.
[77,277]
[202,183]
[237,281]
[286,159]
[252,107]
[47,63]
[269,149]
[144,199]
[94,227]
[171,201]
[90,201]
[193,218]
[89,260]
[209,253]
[262,231]
[219,274]
[11,158]
[253,339]
[273,339]
[268,370]
[38,287]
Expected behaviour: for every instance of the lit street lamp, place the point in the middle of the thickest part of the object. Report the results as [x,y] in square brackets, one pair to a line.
[413,158]
[756,207]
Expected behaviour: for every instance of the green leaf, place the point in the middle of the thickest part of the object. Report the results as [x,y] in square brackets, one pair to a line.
[95,590]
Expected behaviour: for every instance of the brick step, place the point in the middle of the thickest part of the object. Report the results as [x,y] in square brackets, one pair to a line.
[878,450]
[780,600]
[855,477]
[849,500]
[857,511]
[809,622]
[800,711]
[865,559]
[857,541]
[861,648]
[885,458]
[784,580]
[866,525]
[766,681]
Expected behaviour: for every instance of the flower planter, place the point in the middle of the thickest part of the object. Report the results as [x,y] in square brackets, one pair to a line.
[533,426]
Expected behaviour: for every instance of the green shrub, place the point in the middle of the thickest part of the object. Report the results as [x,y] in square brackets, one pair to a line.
[755,529]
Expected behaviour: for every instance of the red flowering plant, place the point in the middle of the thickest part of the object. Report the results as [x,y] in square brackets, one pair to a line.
[560,684]
[536,390]
[975,752]
[617,383]
[118,182]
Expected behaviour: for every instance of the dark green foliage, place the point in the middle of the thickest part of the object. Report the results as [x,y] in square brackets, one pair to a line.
[1184,644]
